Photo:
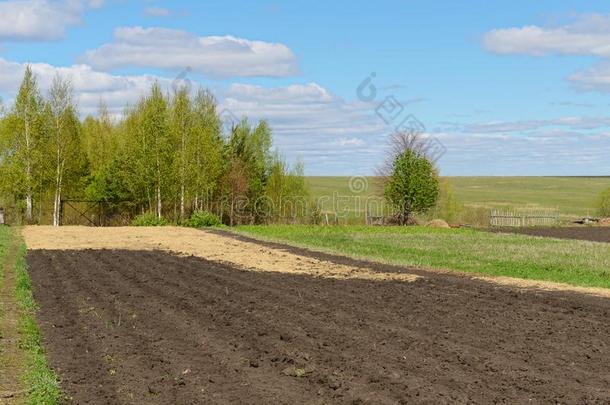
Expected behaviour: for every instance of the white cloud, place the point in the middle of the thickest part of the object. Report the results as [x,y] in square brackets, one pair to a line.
[528,126]
[217,56]
[552,153]
[350,142]
[307,110]
[588,35]
[41,20]
[572,104]
[336,136]
[594,78]
[157,12]
[330,134]
[570,145]
[90,86]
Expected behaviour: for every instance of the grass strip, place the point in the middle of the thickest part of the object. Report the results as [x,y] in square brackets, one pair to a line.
[41,381]
[578,263]
[5,240]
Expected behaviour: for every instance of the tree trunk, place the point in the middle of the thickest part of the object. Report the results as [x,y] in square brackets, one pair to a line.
[28,207]
[28,168]
[182,202]
[56,209]
[182,170]
[231,213]
[57,190]
[159,214]
[150,204]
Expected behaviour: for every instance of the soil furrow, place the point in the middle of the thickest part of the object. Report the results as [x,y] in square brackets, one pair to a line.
[346,341]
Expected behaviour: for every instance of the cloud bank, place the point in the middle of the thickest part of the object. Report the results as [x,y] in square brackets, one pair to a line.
[587,35]
[41,20]
[90,86]
[215,56]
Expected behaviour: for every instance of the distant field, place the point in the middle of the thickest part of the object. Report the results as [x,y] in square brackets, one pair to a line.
[571,195]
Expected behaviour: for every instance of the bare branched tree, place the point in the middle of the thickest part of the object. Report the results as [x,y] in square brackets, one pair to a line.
[399,143]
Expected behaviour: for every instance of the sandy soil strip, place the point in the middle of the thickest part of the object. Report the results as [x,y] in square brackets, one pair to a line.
[246,255]
[545,285]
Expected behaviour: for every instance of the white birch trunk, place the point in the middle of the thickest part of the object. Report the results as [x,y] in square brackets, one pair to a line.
[28,171]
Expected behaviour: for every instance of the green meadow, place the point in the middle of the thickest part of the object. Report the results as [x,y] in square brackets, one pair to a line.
[573,262]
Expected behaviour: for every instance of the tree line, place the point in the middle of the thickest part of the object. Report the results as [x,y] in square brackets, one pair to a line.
[167,156]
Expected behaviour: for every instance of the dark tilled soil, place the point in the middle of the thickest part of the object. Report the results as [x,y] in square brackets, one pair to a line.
[594,234]
[153,328]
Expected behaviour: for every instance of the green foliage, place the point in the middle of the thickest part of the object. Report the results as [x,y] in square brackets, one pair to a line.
[205,151]
[24,139]
[249,152]
[603,203]
[447,207]
[153,149]
[413,185]
[181,123]
[202,219]
[167,155]
[110,183]
[286,192]
[64,144]
[149,219]
[99,139]
[475,216]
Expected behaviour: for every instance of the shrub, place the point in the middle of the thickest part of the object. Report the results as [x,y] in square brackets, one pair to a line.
[475,216]
[603,203]
[201,219]
[412,187]
[148,219]
[447,207]
[314,215]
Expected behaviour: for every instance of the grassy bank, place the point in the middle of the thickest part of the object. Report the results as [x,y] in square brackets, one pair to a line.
[41,383]
[573,262]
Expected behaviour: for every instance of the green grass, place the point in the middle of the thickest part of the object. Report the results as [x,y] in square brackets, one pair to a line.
[577,263]
[571,195]
[40,380]
[5,240]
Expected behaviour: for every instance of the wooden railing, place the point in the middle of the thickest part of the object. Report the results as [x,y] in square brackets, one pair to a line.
[521,219]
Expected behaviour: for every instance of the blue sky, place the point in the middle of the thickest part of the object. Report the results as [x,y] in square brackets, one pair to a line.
[506,87]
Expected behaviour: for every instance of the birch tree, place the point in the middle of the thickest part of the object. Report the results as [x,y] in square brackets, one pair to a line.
[157,148]
[65,137]
[99,139]
[25,141]
[182,129]
[205,159]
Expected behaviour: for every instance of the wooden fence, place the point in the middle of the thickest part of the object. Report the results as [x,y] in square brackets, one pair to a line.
[521,219]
